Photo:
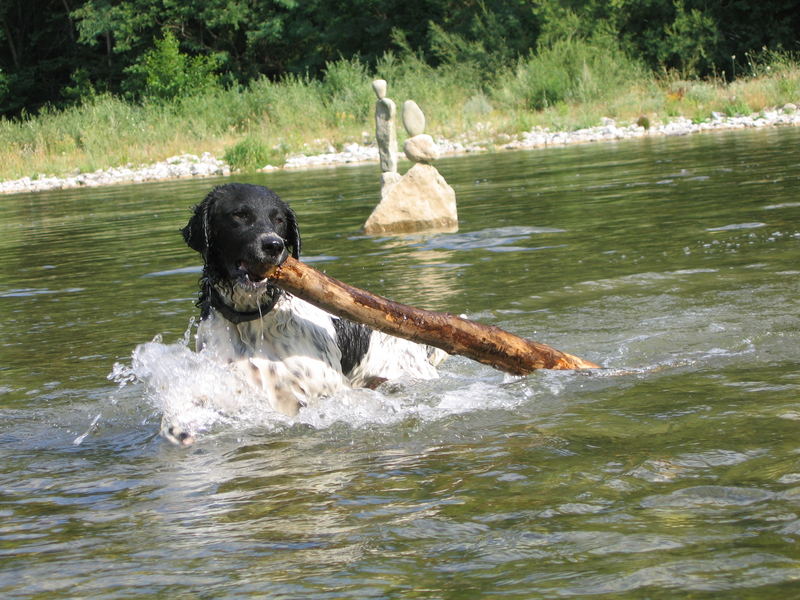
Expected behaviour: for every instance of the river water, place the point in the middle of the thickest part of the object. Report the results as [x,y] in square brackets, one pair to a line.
[672,472]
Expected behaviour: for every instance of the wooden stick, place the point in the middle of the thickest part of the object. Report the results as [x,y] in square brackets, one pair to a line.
[484,343]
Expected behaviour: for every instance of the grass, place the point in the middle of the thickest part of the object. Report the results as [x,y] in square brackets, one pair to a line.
[569,85]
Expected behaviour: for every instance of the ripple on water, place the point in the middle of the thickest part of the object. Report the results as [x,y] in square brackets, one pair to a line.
[708,496]
[28,292]
[489,238]
[737,226]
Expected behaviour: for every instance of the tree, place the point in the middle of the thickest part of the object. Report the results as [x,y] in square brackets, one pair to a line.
[57,51]
[38,50]
[165,73]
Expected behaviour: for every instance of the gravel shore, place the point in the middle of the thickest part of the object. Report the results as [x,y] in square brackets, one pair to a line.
[206,165]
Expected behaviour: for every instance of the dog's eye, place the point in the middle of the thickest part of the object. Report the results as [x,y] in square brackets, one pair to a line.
[276,217]
[240,215]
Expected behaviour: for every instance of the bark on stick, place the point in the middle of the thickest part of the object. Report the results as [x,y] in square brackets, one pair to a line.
[484,343]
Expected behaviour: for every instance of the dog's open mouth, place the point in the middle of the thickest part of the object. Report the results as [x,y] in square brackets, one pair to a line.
[253,274]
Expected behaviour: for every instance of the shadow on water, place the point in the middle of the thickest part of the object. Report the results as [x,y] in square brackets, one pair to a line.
[673,471]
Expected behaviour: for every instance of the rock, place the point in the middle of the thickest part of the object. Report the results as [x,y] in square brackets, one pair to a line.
[385,133]
[413,118]
[389,178]
[789,107]
[184,165]
[379,86]
[352,153]
[421,149]
[421,201]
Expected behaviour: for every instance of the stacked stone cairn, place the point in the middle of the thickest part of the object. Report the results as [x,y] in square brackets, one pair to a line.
[421,200]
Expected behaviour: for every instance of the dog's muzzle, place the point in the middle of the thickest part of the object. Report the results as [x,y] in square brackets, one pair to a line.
[270,251]
[273,248]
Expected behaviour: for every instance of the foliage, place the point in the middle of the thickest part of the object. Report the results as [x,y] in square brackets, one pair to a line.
[572,70]
[690,41]
[4,87]
[264,121]
[248,155]
[260,79]
[165,73]
[346,90]
[61,52]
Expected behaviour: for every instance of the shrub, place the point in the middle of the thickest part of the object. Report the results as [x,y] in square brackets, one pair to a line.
[572,70]
[690,41]
[735,107]
[248,155]
[346,90]
[165,73]
[294,103]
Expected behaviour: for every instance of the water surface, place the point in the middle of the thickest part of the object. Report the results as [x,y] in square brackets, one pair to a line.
[673,472]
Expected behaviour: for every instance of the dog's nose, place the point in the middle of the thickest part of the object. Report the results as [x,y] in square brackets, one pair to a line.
[272,245]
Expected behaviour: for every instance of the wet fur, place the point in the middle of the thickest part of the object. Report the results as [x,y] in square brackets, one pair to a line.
[291,351]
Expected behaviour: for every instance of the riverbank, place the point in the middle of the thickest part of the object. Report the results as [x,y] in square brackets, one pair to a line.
[207,165]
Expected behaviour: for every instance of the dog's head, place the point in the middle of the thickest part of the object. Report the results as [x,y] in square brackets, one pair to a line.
[241,230]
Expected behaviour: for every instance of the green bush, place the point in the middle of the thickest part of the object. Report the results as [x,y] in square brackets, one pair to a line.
[736,107]
[572,70]
[292,103]
[346,91]
[691,41]
[164,72]
[248,155]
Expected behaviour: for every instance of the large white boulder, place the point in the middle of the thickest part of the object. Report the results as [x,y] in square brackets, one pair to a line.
[420,201]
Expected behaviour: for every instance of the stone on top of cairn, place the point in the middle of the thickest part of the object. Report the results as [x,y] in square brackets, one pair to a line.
[413,118]
[379,86]
[419,147]
[385,133]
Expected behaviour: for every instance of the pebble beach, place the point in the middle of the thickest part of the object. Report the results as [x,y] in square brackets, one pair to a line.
[207,165]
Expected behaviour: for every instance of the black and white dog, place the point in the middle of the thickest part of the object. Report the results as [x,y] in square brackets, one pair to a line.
[285,347]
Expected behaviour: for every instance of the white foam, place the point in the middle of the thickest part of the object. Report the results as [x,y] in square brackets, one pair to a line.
[190,389]
[196,393]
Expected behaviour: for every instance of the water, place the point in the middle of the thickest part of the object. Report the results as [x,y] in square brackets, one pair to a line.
[673,472]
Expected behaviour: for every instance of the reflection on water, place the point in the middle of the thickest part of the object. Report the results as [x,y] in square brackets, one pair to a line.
[672,472]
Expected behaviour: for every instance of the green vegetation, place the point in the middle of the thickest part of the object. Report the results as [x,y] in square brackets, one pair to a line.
[249,155]
[165,73]
[571,85]
[574,71]
[99,83]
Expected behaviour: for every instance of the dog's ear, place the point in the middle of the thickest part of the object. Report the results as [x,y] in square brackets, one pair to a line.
[195,234]
[293,233]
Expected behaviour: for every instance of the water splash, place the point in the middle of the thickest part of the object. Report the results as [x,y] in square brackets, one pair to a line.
[92,426]
[191,390]
[195,393]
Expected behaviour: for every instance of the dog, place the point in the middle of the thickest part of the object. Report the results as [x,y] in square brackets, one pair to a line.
[285,347]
